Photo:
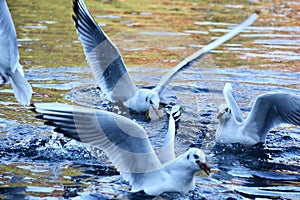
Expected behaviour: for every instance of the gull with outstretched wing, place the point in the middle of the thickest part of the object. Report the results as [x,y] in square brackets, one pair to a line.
[110,71]
[128,148]
[269,110]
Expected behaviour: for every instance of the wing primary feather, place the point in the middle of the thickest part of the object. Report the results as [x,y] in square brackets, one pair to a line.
[103,56]
[206,49]
[271,110]
[89,31]
[73,134]
[124,141]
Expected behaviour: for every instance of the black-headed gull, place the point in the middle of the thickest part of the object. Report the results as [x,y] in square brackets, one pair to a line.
[268,111]
[9,57]
[110,71]
[128,147]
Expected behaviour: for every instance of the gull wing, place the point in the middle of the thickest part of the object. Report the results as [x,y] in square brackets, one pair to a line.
[187,62]
[124,141]
[234,107]
[9,53]
[167,153]
[271,110]
[103,56]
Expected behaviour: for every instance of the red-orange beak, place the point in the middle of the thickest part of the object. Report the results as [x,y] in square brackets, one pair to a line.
[204,167]
[153,114]
[220,115]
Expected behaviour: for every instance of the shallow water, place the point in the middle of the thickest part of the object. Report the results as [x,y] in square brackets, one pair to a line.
[37,163]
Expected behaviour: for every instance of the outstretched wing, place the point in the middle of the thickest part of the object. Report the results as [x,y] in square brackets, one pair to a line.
[271,110]
[124,141]
[232,104]
[166,153]
[102,55]
[200,53]
[9,54]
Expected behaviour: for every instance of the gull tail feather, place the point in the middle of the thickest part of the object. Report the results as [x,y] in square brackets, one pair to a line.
[21,87]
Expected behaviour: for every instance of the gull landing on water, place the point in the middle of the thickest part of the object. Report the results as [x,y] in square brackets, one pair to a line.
[9,57]
[110,71]
[128,148]
[268,111]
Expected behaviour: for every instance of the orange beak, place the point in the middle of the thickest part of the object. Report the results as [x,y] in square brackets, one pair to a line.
[220,115]
[154,113]
[204,167]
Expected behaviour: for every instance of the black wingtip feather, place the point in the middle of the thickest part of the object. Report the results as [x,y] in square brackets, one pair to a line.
[75,10]
[40,116]
[89,32]
[67,133]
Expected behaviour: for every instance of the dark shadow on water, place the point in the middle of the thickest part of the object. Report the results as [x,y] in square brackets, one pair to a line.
[11,193]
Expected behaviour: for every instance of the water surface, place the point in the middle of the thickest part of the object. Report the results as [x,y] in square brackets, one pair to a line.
[153,37]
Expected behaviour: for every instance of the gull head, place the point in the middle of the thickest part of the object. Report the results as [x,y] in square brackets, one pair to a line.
[152,99]
[143,99]
[197,161]
[224,112]
[152,104]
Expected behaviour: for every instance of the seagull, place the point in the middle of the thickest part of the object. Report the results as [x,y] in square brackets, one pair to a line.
[128,148]
[269,110]
[110,71]
[9,57]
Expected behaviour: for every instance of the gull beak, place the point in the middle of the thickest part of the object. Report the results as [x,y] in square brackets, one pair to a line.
[222,109]
[204,167]
[156,109]
[154,113]
[220,115]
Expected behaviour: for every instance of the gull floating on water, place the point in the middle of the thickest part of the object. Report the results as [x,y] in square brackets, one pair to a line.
[9,57]
[128,147]
[268,111]
[110,71]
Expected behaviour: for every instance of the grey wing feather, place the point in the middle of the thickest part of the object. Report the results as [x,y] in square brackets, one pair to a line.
[124,142]
[273,109]
[103,56]
[8,39]
[200,53]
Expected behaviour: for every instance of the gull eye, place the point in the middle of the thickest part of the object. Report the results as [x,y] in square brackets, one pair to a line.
[196,156]
[227,110]
[147,99]
[188,156]
[150,102]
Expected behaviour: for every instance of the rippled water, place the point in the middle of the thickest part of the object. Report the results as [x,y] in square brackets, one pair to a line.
[36,162]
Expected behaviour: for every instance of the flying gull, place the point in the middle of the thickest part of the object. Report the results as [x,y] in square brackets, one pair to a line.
[128,148]
[110,71]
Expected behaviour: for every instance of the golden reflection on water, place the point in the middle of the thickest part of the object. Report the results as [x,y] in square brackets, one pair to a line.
[48,40]
[47,37]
